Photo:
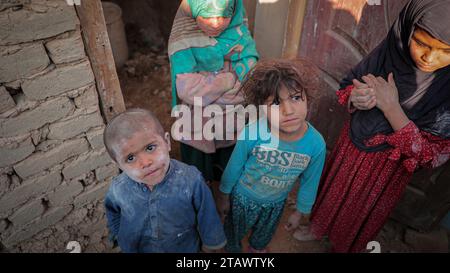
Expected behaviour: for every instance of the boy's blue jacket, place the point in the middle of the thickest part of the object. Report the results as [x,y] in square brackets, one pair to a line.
[174,217]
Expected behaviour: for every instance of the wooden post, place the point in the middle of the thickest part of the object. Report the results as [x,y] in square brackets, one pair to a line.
[270,27]
[294,28]
[250,8]
[96,40]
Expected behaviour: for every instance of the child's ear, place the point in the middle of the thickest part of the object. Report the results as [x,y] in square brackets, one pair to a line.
[167,139]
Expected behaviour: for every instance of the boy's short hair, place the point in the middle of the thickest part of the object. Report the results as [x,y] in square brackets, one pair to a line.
[267,77]
[126,124]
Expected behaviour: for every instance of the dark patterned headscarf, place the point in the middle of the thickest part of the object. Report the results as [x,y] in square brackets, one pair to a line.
[431,113]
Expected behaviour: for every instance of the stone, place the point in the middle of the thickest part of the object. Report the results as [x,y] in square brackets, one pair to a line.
[73,127]
[26,25]
[67,49]
[6,101]
[104,172]
[27,213]
[4,184]
[15,182]
[65,193]
[23,103]
[47,145]
[50,218]
[86,163]
[38,8]
[41,161]
[28,189]
[3,225]
[58,81]
[95,138]
[91,195]
[27,121]
[13,85]
[11,3]
[88,98]
[23,63]
[76,217]
[15,153]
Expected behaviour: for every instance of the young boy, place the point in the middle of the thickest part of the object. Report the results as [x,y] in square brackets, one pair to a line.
[261,173]
[157,204]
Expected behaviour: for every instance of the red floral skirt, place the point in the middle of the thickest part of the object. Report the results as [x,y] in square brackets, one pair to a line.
[357,192]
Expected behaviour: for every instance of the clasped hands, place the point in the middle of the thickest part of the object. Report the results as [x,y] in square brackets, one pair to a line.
[375,92]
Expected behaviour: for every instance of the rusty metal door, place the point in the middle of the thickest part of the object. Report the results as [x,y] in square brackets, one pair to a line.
[336,35]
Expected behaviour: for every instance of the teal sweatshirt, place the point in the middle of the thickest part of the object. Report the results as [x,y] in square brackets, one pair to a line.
[266,170]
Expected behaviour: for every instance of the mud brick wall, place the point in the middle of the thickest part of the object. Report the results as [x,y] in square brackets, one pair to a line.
[54,170]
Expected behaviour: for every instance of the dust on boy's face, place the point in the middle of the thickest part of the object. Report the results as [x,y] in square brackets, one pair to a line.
[144,157]
[289,117]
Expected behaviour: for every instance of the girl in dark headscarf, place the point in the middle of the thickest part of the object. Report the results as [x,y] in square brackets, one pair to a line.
[399,97]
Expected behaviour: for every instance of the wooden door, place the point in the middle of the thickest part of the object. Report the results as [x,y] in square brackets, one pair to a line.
[336,35]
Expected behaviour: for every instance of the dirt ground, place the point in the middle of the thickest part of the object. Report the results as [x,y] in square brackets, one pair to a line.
[145,83]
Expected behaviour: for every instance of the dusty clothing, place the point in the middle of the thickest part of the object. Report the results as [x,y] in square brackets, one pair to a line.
[210,68]
[371,164]
[266,171]
[259,177]
[220,89]
[249,215]
[424,96]
[359,189]
[176,216]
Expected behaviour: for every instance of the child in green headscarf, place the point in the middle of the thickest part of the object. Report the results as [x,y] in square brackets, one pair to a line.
[211,51]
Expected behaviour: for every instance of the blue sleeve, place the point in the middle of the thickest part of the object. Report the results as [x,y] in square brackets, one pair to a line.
[112,215]
[209,225]
[235,167]
[309,182]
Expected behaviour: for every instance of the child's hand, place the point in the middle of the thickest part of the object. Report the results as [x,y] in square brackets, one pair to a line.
[236,49]
[227,66]
[362,96]
[385,91]
[223,205]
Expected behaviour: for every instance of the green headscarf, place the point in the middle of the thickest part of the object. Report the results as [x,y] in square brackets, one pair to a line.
[211,58]
[212,8]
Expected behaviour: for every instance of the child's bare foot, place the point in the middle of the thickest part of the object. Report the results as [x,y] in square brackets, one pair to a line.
[304,234]
[252,250]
